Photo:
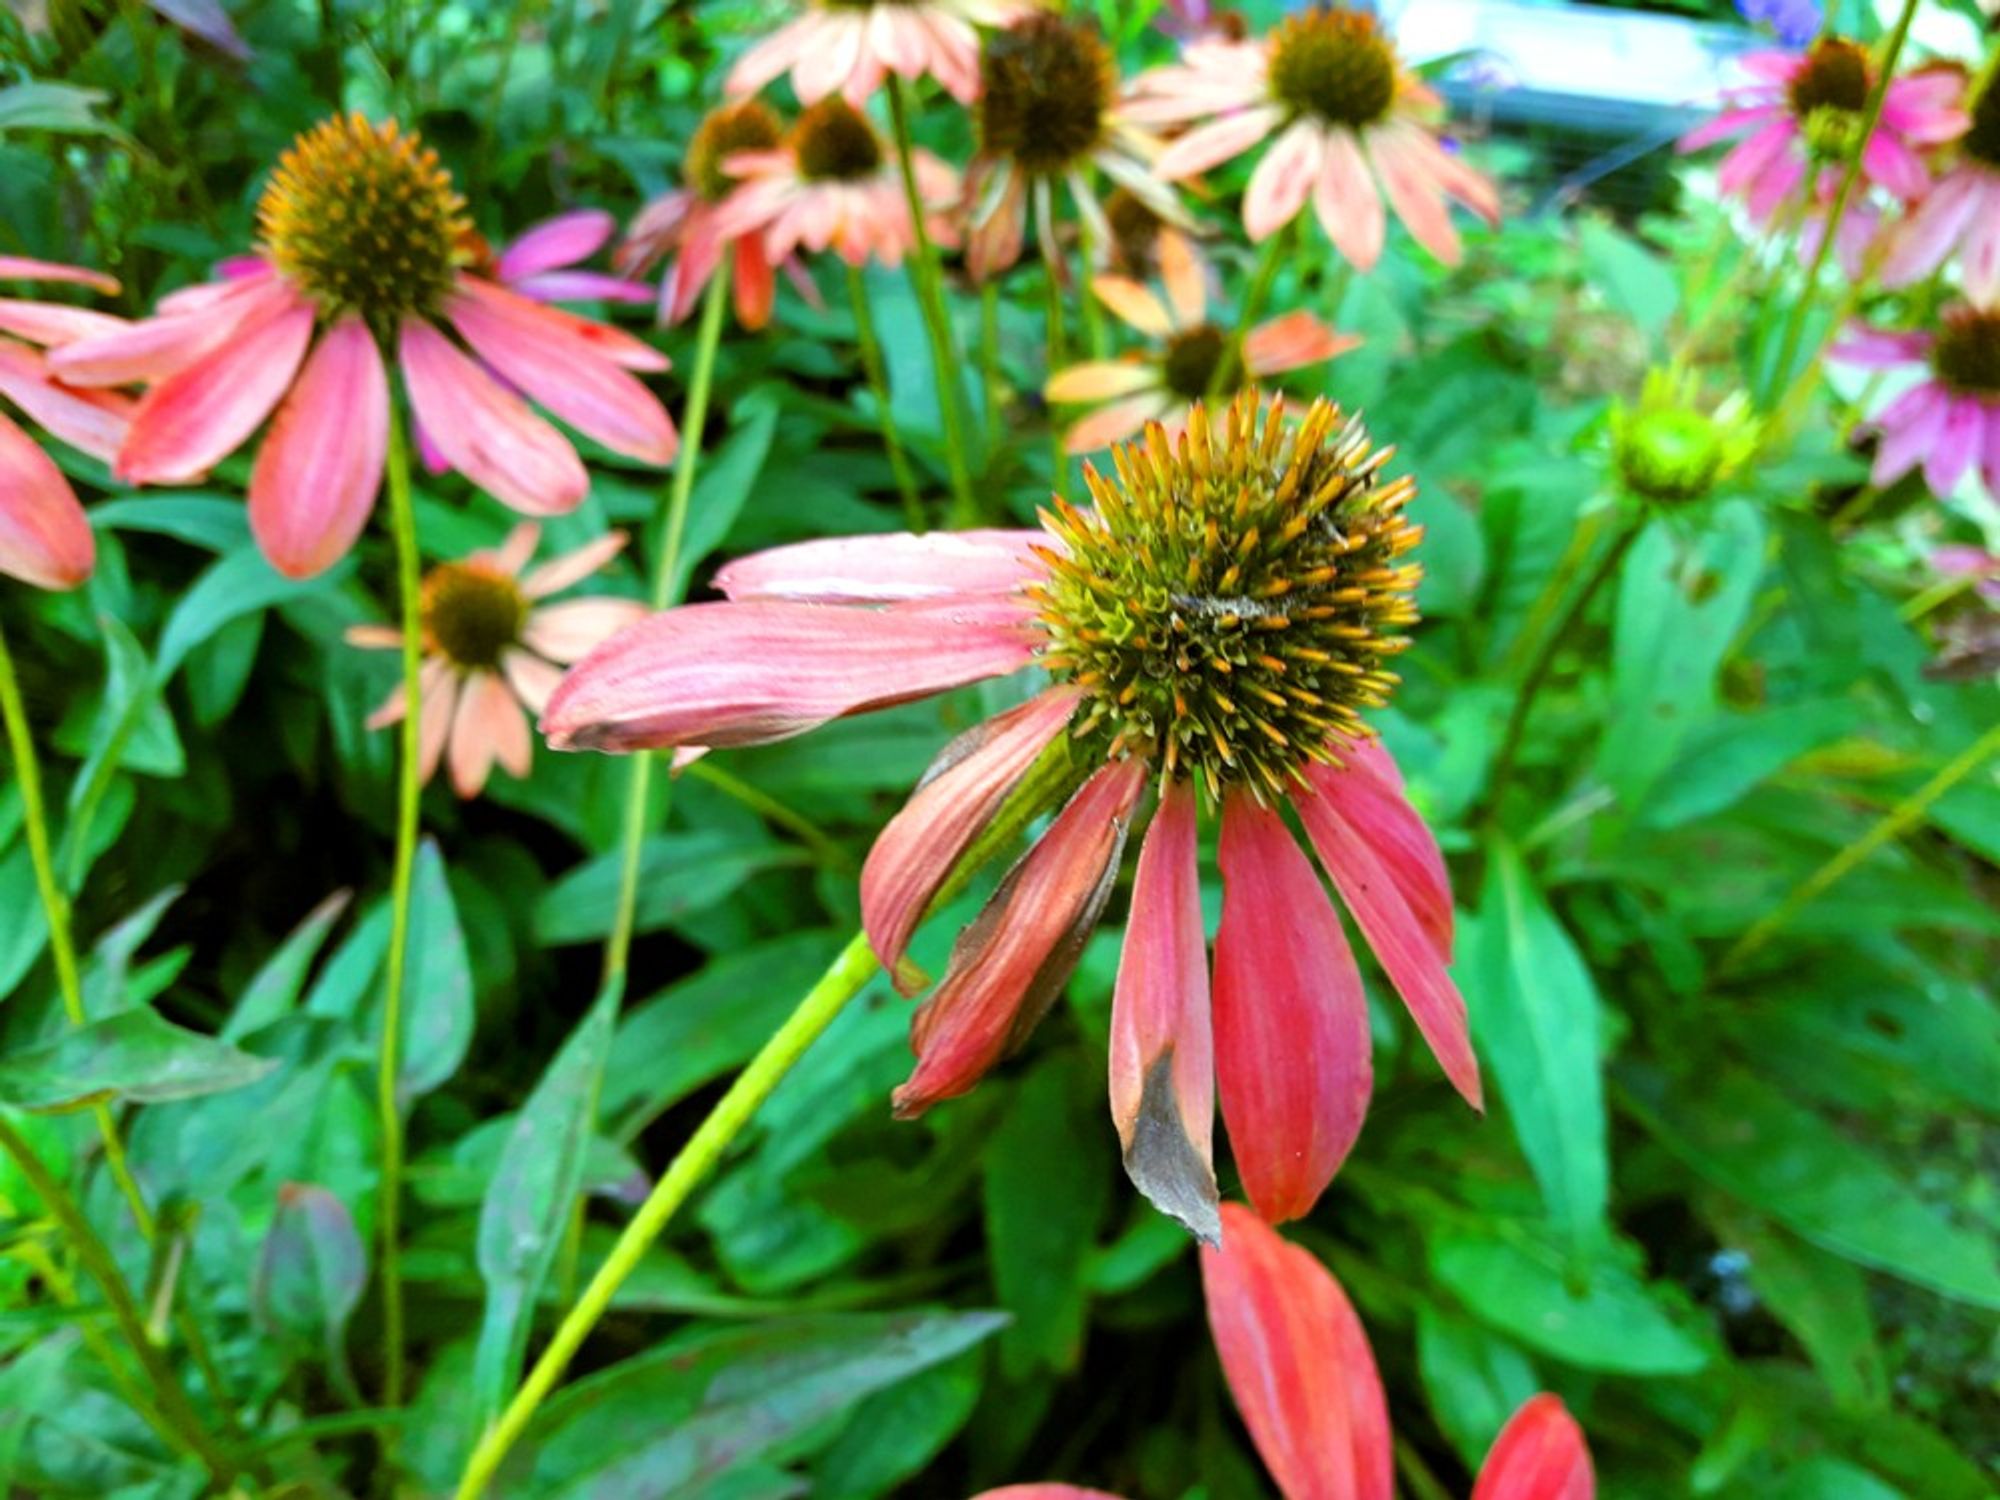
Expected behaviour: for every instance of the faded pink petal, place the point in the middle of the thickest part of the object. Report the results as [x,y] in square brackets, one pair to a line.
[1284,179]
[488,725]
[746,674]
[1413,193]
[22,268]
[170,341]
[45,539]
[53,323]
[883,569]
[1116,422]
[1921,243]
[1099,380]
[316,475]
[1957,444]
[94,421]
[561,241]
[558,573]
[1209,145]
[1908,429]
[532,679]
[571,630]
[1134,304]
[1879,348]
[1539,1455]
[1291,342]
[1347,204]
[1291,1023]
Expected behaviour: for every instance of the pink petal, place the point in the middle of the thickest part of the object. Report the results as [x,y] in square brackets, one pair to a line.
[316,475]
[557,574]
[1298,1363]
[745,674]
[571,630]
[554,243]
[193,419]
[472,742]
[1291,342]
[44,538]
[1043,1492]
[21,268]
[1347,204]
[1011,962]
[1100,379]
[1921,243]
[1895,166]
[1162,1046]
[532,679]
[94,421]
[1414,193]
[882,569]
[1116,422]
[169,342]
[554,326]
[1730,122]
[1181,273]
[1980,264]
[486,432]
[1368,794]
[1957,444]
[1539,1455]
[582,286]
[53,323]
[1216,142]
[1284,180]
[1908,430]
[958,796]
[1291,1022]
[1879,348]
[1744,164]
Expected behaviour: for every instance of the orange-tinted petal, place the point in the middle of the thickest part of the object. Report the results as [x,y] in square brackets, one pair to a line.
[44,538]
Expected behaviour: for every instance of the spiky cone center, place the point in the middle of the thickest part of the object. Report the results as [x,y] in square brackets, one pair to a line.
[363,219]
[1670,455]
[1047,90]
[1191,359]
[472,613]
[1230,604]
[751,125]
[1334,63]
[1829,95]
[1982,137]
[833,142]
[1966,355]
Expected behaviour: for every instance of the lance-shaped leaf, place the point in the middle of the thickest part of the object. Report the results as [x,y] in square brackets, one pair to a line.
[135,1057]
[437,982]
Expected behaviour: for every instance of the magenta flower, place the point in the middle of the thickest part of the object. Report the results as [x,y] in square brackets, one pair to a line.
[1950,420]
[366,249]
[1961,213]
[1213,628]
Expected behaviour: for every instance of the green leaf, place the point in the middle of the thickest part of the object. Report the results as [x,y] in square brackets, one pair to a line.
[680,874]
[1535,1021]
[525,1215]
[135,1057]
[310,1276]
[728,476]
[1632,278]
[437,982]
[60,107]
[273,991]
[215,522]
[1475,1379]
[896,1432]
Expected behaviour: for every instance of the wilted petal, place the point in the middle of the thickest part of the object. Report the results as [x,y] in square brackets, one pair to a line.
[44,538]
[1298,1363]
[1291,1022]
[745,674]
[1162,1047]
[1014,958]
[884,569]
[1539,1455]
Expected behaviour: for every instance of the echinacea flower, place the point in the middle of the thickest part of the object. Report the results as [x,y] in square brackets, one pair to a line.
[1669,450]
[364,253]
[680,227]
[1961,212]
[1950,420]
[44,538]
[1806,110]
[1327,91]
[854,45]
[1188,363]
[1215,626]
[830,186]
[492,651]
[1048,115]
[1299,1366]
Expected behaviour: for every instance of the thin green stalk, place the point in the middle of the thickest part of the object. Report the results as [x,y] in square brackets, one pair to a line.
[815,838]
[1094,338]
[181,1424]
[937,323]
[1534,627]
[1423,1484]
[1896,822]
[409,789]
[871,363]
[1229,369]
[994,387]
[843,980]
[1057,357]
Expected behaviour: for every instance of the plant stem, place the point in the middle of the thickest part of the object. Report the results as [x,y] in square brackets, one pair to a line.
[1229,369]
[843,980]
[994,387]
[409,788]
[1545,655]
[925,273]
[182,1424]
[1093,316]
[1057,356]
[871,363]
[761,802]
[1897,821]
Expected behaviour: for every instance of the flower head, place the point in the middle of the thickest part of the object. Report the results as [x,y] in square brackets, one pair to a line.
[366,251]
[1949,421]
[1216,627]
[492,648]
[44,538]
[1193,359]
[1961,212]
[852,46]
[1669,451]
[1328,92]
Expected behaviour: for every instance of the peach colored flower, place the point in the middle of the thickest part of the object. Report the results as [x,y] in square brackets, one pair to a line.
[853,45]
[1345,122]
[492,649]
[1186,361]
[44,538]
[365,249]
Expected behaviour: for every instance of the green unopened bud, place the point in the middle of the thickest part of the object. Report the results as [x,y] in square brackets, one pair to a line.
[1670,452]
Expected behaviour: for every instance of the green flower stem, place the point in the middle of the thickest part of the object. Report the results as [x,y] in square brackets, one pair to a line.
[1057,357]
[1229,369]
[925,273]
[1893,825]
[994,387]
[178,1422]
[843,980]
[1094,338]
[815,838]
[409,789]
[871,363]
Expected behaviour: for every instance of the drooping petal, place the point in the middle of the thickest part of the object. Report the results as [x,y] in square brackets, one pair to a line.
[1162,1044]
[1413,193]
[554,243]
[1539,1455]
[171,341]
[571,630]
[884,569]
[1284,179]
[94,421]
[1909,428]
[746,674]
[959,794]
[1368,792]
[1014,958]
[1215,142]
[1291,1022]
[22,268]
[532,679]
[470,750]
[1958,443]
[1298,1363]
[1347,204]
[53,323]
[316,475]
[1290,342]
[45,539]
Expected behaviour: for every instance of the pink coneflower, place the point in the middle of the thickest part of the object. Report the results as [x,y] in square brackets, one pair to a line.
[1327,90]
[1299,1366]
[1214,628]
[1187,363]
[365,250]
[1807,110]
[1961,212]
[1948,422]
[853,45]
[830,186]
[44,538]
[1048,116]
[492,651]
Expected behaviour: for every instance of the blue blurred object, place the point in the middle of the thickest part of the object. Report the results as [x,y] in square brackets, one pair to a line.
[1795,21]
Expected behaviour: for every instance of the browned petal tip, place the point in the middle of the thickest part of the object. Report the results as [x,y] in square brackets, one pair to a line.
[1166,1165]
